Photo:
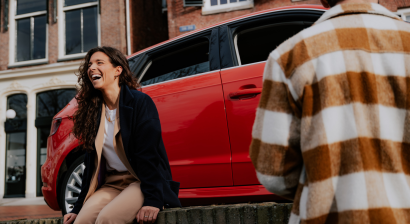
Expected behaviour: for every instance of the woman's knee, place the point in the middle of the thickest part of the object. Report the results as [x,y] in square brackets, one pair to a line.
[85,218]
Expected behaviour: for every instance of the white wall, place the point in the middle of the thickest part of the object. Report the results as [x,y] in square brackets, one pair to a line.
[31,81]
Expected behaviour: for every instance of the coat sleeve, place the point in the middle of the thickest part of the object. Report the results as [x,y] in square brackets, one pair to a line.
[148,137]
[84,186]
[275,148]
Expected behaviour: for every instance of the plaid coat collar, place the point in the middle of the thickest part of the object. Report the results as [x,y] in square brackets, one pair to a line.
[356,8]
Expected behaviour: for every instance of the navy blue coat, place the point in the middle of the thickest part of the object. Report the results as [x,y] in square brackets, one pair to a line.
[145,151]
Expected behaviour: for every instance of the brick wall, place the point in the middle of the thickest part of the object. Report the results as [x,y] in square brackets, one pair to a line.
[178,15]
[148,24]
[113,26]
[393,5]
[4,41]
[52,35]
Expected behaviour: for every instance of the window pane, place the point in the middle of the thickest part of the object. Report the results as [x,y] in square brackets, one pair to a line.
[90,28]
[27,6]
[223,2]
[15,164]
[39,48]
[76,2]
[73,31]
[180,62]
[51,102]
[214,2]
[256,44]
[18,103]
[133,64]
[23,40]
[42,135]
[233,1]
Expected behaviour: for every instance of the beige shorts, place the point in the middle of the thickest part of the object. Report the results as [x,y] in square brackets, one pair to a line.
[117,201]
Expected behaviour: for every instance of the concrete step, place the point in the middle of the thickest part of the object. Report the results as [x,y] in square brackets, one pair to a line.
[258,213]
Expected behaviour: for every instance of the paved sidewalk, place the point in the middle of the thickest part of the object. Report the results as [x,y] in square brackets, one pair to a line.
[25,208]
[27,212]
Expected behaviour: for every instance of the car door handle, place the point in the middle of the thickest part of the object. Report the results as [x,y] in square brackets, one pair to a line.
[245,93]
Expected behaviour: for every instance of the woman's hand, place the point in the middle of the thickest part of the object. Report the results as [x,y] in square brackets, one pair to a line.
[147,214]
[69,218]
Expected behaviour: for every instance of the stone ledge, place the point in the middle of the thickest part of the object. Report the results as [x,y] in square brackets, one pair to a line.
[258,213]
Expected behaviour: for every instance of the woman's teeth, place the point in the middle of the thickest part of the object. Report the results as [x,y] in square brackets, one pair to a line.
[95,77]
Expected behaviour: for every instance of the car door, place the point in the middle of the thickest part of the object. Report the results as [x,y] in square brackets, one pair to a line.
[249,43]
[183,79]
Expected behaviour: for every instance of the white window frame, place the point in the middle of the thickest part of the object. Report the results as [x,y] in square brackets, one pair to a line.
[403,13]
[61,28]
[13,35]
[207,9]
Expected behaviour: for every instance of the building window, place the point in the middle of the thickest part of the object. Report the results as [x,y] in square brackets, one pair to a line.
[28,31]
[404,14]
[192,3]
[78,27]
[218,6]
[48,104]
[16,130]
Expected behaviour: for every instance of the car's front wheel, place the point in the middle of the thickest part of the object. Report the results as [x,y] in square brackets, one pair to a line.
[71,185]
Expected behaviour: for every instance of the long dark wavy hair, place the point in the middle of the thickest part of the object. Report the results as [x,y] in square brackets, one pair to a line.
[89,99]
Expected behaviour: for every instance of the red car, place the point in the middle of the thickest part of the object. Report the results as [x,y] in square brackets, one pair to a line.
[206,85]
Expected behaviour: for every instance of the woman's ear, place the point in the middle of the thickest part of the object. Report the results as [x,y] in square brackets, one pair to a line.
[118,70]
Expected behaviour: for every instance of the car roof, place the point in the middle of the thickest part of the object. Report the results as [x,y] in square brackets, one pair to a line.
[284,8]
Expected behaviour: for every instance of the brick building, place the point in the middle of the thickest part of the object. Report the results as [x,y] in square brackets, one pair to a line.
[186,13]
[42,43]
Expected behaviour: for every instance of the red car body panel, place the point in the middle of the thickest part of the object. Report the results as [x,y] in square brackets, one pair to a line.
[240,113]
[194,129]
[198,111]
[58,147]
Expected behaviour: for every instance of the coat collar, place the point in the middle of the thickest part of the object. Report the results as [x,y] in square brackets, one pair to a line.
[125,95]
[356,8]
[126,112]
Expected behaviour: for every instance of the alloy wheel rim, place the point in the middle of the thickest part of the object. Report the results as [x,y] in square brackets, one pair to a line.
[73,187]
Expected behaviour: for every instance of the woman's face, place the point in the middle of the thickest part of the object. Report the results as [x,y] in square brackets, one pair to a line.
[101,72]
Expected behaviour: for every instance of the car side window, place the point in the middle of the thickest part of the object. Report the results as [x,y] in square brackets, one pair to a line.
[181,61]
[255,44]
[133,63]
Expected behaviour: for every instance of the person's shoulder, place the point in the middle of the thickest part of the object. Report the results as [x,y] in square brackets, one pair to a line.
[140,97]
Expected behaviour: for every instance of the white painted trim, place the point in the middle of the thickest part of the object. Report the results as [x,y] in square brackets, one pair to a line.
[235,40]
[61,27]
[30,14]
[403,13]
[29,62]
[13,35]
[127,14]
[49,69]
[79,6]
[72,56]
[207,9]
[144,71]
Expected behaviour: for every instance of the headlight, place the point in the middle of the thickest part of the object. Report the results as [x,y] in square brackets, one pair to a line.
[54,126]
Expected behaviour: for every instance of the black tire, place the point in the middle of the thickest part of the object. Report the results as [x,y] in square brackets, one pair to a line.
[71,185]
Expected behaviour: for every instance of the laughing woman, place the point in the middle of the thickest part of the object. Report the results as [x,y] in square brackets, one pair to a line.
[127,172]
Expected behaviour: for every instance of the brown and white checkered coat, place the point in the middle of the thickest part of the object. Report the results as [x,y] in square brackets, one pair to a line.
[332,130]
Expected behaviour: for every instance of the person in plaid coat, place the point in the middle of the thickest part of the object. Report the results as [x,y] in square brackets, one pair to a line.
[332,129]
